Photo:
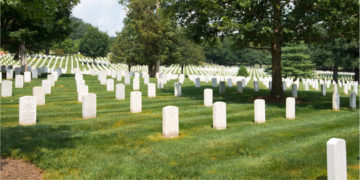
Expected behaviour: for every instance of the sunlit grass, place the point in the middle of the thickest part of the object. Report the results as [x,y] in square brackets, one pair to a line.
[118,144]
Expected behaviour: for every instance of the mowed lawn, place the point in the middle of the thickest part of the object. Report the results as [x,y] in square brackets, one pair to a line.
[118,144]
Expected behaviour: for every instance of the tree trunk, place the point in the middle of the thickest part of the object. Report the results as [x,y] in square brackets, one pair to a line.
[182,69]
[335,70]
[47,50]
[129,67]
[22,54]
[276,90]
[356,77]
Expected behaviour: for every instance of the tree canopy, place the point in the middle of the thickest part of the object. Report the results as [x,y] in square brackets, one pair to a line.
[94,43]
[34,24]
[268,24]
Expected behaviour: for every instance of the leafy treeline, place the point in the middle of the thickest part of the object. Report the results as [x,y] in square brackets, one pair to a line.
[34,25]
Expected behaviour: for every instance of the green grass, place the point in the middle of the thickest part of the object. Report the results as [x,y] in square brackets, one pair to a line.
[118,144]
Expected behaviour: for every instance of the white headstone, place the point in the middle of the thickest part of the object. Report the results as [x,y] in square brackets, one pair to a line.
[127,79]
[222,87]
[9,74]
[256,86]
[135,102]
[47,86]
[19,81]
[109,85]
[197,82]
[136,83]
[151,90]
[336,159]
[208,97]
[27,110]
[146,79]
[294,90]
[353,100]
[336,101]
[290,108]
[83,90]
[51,79]
[39,93]
[219,115]
[27,76]
[214,82]
[259,110]
[323,90]
[118,76]
[89,106]
[6,88]
[177,89]
[229,82]
[239,87]
[170,121]
[120,92]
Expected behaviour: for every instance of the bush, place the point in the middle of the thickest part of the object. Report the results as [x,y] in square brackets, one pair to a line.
[242,71]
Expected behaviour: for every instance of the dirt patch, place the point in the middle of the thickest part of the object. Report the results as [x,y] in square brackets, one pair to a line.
[18,169]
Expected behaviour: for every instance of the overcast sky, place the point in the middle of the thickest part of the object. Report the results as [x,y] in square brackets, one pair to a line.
[107,15]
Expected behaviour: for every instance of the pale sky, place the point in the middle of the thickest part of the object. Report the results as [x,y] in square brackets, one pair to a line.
[107,15]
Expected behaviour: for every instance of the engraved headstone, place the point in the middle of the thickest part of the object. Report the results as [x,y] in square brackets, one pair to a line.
[290,108]
[336,159]
[197,82]
[323,90]
[27,110]
[39,93]
[47,86]
[229,82]
[259,110]
[6,88]
[89,106]
[151,90]
[177,89]
[214,82]
[120,92]
[109,85]
[294,90]
[336,101]
[135,102]
[208,97]
[9,74]
[19,81]
[219,115]
[136,83]
[83,90]
[27,76]
[353,100]
[170,124]
[239,87]
[222,87]
[127,79]
[256,86]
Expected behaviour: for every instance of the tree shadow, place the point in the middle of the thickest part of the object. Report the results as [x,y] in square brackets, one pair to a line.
[32,141]
[309,99]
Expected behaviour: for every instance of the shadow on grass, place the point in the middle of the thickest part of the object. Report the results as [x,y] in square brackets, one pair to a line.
[32,141]
[310,99]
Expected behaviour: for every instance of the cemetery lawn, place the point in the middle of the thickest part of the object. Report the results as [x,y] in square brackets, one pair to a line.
[118,144]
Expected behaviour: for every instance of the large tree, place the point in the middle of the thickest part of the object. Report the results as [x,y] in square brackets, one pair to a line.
[34,25]
[94,43]
[267,24]
[153,32]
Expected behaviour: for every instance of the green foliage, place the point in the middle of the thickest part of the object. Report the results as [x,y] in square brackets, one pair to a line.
[296,61]
[242,71]
[223,52]
[65,47]
[35,23]
[94,43]
[268,24]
